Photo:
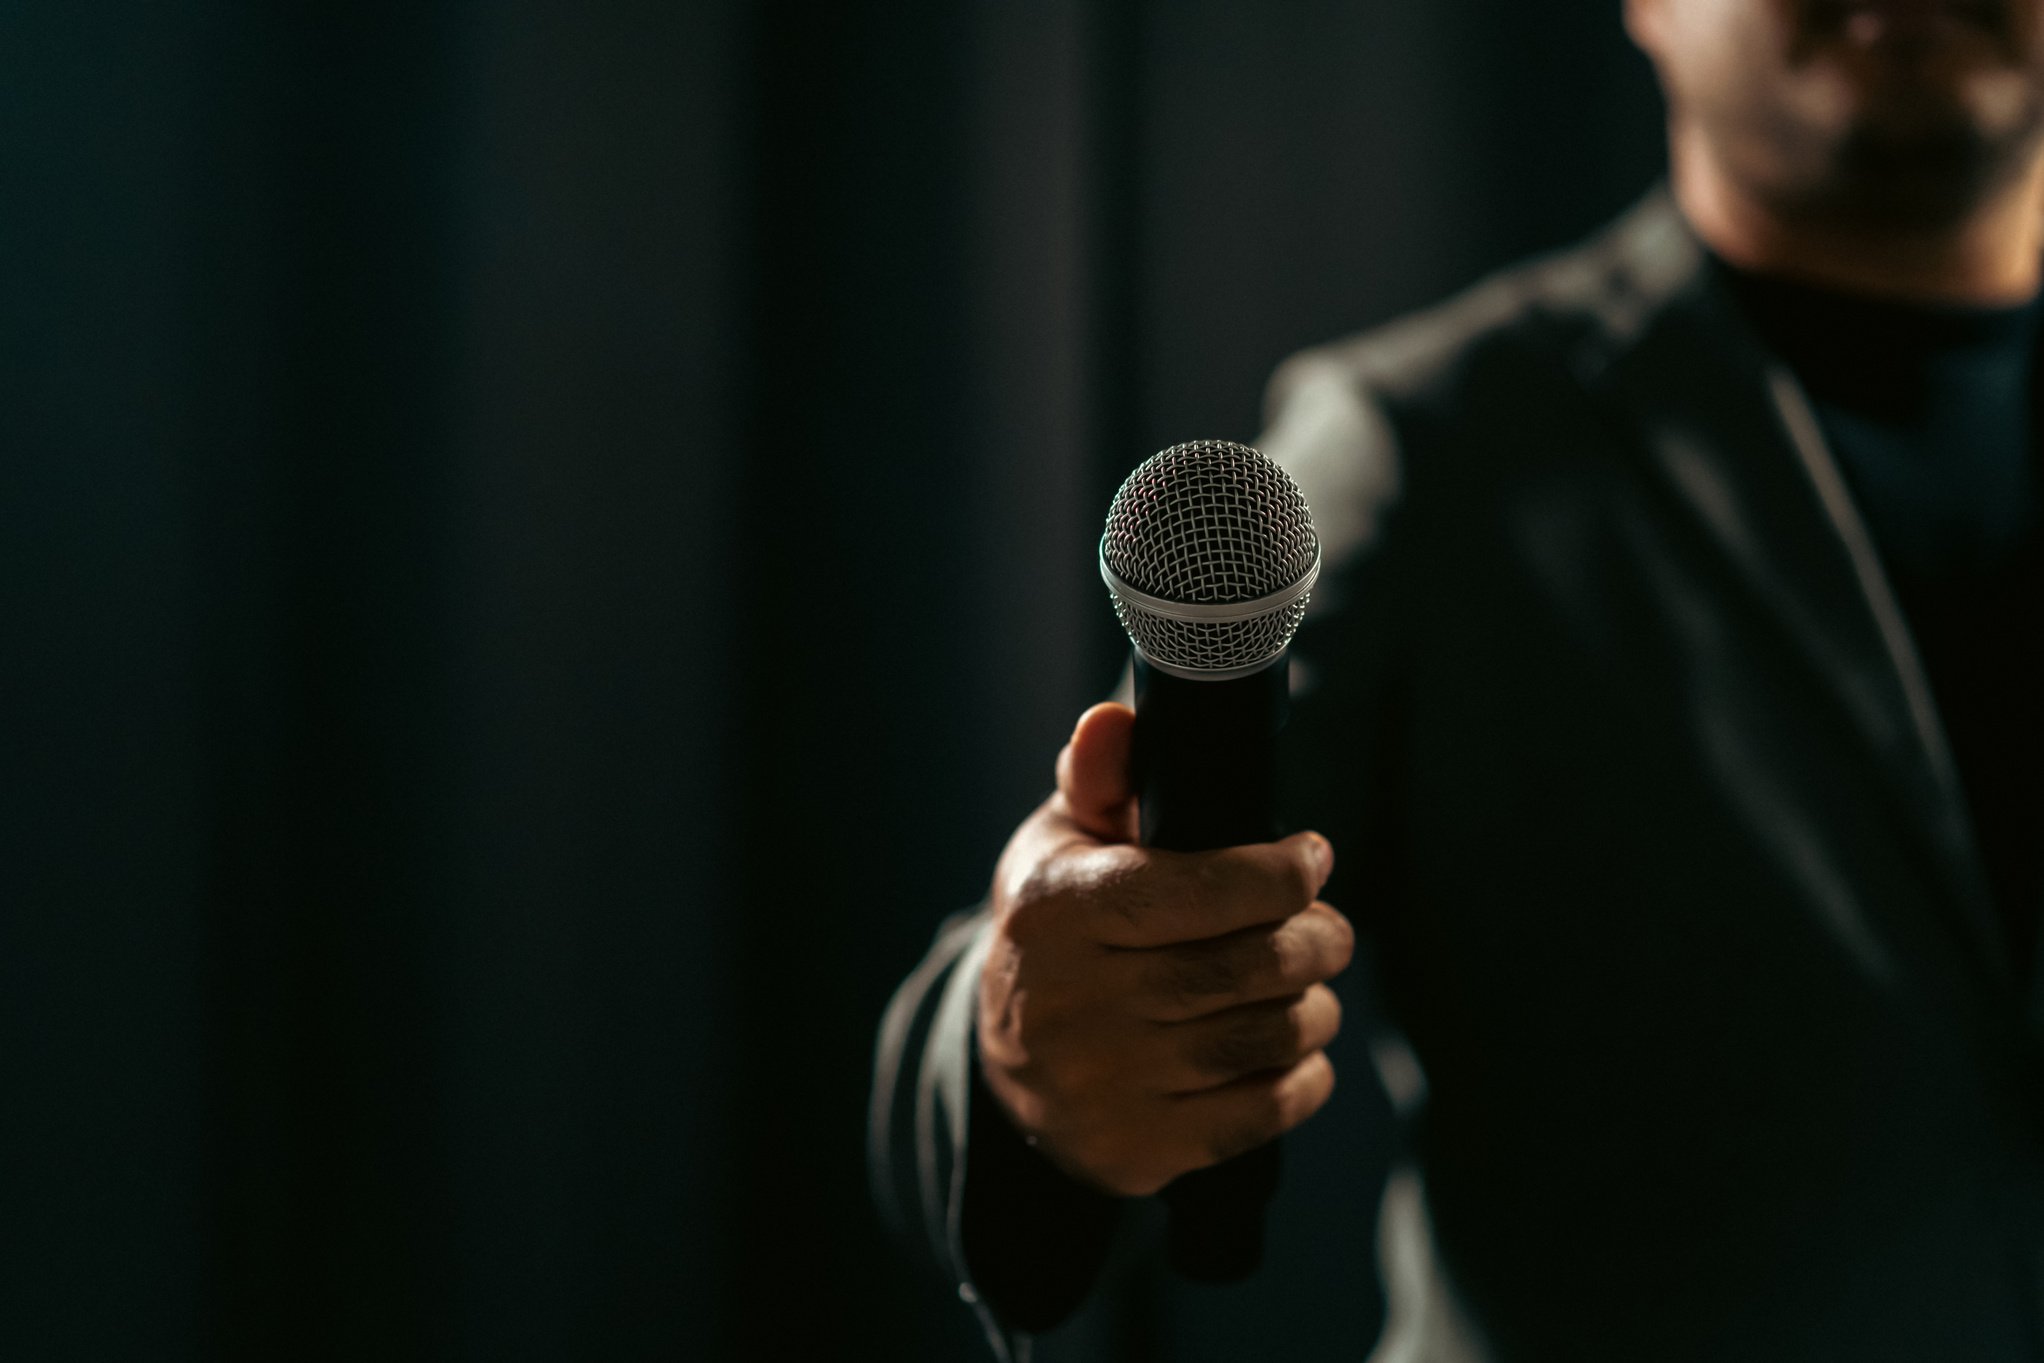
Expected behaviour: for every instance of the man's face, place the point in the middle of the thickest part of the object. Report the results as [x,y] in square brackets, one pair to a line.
[1905,111]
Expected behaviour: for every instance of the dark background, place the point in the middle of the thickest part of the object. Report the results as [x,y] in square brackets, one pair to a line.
[546,545]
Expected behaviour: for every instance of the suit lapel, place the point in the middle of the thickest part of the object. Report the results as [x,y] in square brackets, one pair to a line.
[1728,432]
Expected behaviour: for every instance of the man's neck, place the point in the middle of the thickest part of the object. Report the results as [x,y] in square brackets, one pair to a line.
[1992,256]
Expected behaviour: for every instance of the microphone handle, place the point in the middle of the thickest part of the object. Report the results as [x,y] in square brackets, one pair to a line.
[1205,769]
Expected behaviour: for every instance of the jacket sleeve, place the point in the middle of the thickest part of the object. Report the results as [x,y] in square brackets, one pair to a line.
[1022,1241]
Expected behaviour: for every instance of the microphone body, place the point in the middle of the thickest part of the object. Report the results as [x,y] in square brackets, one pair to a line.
[1206,757]
[1205,770]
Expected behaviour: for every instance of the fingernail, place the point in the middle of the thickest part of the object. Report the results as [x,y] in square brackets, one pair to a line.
[1323,850]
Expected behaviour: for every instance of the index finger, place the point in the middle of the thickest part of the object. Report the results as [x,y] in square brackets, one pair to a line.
[1162,898]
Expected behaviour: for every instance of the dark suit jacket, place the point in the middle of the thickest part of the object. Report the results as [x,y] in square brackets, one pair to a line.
[1707,1040]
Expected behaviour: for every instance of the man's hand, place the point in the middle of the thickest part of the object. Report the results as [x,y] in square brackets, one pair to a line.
[1146,1013]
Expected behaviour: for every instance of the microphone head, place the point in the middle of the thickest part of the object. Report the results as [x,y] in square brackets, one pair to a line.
[1209,557]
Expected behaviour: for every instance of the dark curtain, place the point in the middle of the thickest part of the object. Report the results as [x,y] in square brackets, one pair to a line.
[545,546]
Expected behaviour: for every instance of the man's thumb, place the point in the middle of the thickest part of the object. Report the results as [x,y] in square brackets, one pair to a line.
[1093,773]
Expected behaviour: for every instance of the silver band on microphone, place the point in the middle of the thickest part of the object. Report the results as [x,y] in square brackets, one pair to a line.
[1233,610]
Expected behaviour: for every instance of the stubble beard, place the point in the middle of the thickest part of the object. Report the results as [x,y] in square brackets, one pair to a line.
[1924,163]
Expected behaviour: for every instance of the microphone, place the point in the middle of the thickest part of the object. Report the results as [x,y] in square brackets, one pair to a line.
[1209,556]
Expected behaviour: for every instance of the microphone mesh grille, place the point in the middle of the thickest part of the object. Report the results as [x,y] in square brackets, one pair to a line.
[1209,523]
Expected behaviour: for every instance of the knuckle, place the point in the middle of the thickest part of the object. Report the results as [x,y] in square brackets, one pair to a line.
[1341,937]
[1031,900]
[1304,879]
[1329,1025]
[1313,1094]
[1317,946]
[1058,894]
[1297,873]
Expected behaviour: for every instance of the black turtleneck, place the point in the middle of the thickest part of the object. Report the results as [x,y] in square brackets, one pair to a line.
[1928,410]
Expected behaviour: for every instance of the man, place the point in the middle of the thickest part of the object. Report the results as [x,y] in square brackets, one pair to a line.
[1675,715]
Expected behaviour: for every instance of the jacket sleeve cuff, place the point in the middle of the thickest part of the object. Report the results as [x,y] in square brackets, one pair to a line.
[1032,1238]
